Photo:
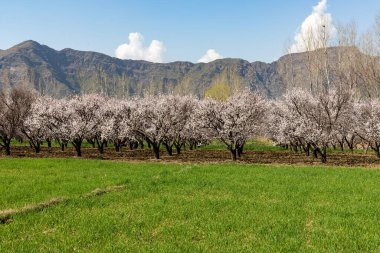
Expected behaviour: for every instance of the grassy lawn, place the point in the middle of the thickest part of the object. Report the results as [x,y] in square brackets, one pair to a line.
[189,207]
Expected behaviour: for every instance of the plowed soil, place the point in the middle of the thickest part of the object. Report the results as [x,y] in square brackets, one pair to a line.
[202,156]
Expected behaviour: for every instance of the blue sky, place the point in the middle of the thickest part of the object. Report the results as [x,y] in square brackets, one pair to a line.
[251,29]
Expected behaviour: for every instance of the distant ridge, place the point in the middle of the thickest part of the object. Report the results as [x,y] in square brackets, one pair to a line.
[66,72]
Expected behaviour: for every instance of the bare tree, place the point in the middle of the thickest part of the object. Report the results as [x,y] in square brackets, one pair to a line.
[15,105]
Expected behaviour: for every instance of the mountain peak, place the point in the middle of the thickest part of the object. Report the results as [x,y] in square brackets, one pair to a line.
[23,46]
[27,43]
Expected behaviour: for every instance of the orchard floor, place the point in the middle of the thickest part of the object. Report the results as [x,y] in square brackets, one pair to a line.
[274,156]
[115,206]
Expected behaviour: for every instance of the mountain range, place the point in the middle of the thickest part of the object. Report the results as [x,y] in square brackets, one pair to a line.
[66,72]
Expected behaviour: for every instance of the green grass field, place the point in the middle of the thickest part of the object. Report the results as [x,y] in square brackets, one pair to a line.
[189,207]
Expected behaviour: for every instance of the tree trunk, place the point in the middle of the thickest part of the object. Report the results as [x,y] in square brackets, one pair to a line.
[341,144]
[169,149]
[7,149]
[79,151]
[324,155]
[376,148]
[7,145]
[240,150]
[77,145]
[378,152]
[100,145]
[351,147]
[307,149]
[156,150]
[178,148]
[233,154]
[117,145]
[49,143]
[38,147]
[315,152]
[350,143]
[141,144]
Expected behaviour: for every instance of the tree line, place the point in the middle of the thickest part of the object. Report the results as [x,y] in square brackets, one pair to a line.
[299,120]
[166,120]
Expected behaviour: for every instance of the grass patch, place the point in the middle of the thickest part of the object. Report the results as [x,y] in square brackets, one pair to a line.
[190,207]
[6,215]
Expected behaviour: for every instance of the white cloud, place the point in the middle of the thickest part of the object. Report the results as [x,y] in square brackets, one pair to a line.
[135,49]
[313,28]
[211,55]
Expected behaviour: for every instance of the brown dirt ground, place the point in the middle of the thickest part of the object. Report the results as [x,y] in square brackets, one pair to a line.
[203,156]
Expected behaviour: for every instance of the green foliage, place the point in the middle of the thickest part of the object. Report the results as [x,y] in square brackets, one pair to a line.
[224,85]
[218,91]
[189,207]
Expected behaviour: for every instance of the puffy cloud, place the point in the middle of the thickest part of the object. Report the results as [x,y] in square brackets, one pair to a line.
[313,28]
[135,49]
[211,55]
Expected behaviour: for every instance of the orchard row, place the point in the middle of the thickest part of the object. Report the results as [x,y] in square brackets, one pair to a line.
[299,119]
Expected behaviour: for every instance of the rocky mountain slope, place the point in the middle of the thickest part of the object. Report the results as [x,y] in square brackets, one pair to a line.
[65,72]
